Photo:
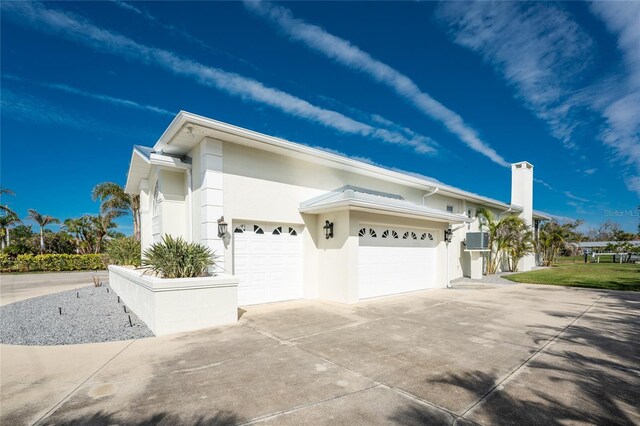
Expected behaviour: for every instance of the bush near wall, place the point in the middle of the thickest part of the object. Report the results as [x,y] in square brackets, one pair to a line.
[51,262]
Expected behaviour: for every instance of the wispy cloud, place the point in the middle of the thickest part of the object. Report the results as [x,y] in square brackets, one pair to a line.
[575,197]
[589,172]
[546,56]
[345,53]
[82,31]
[100,97]
[30,109]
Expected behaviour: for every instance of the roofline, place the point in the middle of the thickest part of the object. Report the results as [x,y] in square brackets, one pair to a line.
[183,118]
[369,206]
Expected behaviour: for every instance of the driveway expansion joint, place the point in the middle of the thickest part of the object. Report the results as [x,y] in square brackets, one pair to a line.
[513,372]
[74,390]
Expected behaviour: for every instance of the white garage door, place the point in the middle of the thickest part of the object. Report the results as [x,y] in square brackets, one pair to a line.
[268,261]
[394,260]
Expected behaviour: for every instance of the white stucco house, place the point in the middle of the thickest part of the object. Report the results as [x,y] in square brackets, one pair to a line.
[305,223]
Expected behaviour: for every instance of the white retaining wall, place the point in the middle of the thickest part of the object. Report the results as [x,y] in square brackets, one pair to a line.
[175,305]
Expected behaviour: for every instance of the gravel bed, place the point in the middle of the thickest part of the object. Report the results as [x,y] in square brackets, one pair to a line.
[89,315]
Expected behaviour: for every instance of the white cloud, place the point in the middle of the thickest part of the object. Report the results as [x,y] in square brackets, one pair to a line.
[353,57]
[575,197]
[82,31]
[104,98]
[546,56]
[589,172]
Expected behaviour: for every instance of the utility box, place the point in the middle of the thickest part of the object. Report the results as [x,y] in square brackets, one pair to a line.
[477,241]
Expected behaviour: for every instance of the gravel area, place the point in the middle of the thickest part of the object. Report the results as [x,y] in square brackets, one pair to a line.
[89,315]
[494,279]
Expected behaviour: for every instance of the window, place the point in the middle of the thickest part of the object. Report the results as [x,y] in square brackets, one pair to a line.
[430,237]
[395,234]
[277,231]
[239,229]
[449,208]
[257,229]
[372,233]
[469,213]
[362,232]
[385,234]
[405,235]
[423,236]
[292,231]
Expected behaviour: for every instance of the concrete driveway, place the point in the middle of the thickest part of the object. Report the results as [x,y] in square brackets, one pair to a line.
[511,355]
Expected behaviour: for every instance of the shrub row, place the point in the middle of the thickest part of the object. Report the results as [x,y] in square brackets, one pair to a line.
[51,262]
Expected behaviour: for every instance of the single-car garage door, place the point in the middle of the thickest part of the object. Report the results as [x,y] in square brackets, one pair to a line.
[267,259]
[394,260]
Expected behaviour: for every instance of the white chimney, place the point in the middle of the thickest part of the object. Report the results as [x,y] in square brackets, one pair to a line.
[522,196]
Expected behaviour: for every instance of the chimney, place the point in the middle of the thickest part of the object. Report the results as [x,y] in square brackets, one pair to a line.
[522,196]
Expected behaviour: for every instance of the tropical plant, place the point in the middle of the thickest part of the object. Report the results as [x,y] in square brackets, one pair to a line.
[102,225]
[124,251]
[6,219]
[176,258]
[42,220]
[520,241]
[3,207]
[114,200]
[554,237]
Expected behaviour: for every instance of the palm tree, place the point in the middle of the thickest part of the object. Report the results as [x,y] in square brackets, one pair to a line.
[83,231]
[6,220]
[114,200]
[102,224]
[553,236]
[519,241]
[42,220]
[5,208]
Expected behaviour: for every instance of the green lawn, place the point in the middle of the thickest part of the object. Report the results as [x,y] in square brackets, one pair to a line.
[612,276]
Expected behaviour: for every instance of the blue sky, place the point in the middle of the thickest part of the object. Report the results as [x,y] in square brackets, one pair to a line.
[453,90]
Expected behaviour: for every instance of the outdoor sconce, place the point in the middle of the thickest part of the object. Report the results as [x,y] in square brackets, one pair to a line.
[328,229]
[222,227]
[448,235]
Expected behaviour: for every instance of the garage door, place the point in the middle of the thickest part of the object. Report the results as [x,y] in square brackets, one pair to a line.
[268,261]
[395,260]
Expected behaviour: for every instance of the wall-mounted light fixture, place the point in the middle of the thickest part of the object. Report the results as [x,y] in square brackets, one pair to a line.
[448,235]
[328,229]
[222,227]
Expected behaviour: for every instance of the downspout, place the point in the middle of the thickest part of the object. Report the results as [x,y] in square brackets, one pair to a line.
[430,193]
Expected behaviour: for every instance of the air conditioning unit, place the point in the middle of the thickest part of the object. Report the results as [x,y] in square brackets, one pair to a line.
[477,241]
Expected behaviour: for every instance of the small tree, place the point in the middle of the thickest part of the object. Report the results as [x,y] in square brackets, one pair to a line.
[7,219]
[115,202]
[42,220]
[520,241]
[553,237]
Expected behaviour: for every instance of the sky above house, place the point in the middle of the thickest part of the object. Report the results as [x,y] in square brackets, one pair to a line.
[454,91]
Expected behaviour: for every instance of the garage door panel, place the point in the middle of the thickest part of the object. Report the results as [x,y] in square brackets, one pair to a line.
[396,265]
[268,265]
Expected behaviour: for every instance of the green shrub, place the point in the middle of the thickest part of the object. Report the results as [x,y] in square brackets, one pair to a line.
[124,251]
[51,262]
[175,258]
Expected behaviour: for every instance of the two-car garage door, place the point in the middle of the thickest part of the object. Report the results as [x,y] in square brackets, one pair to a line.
[268,261]
[395,260]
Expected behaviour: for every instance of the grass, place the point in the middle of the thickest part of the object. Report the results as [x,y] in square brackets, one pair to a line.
[611,276]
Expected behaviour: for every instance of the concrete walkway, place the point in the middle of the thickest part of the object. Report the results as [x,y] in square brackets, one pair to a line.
[17,287]
[518,354]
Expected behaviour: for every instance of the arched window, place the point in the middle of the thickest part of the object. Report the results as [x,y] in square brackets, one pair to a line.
[362,232]
[372,233]
[423,236]
[257,229]
[394,234]
[277,231]
[430,237]
[385,234]
[405,235]
[292,231]
[414,236]
[239,229]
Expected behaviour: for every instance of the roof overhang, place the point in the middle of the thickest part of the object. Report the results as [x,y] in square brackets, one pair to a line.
[142,158]
[349,199]
[187,130]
